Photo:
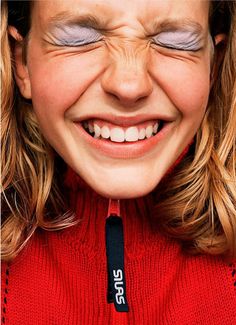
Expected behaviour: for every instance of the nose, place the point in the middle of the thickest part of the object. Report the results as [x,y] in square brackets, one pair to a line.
[126,78]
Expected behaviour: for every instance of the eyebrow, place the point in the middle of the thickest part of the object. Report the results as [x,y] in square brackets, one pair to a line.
[172,25]
[88,20]
[85,20]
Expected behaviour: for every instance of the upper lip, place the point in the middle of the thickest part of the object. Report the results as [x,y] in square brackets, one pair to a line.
[126,120]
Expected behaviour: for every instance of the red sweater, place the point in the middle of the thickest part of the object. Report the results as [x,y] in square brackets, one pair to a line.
[60,278]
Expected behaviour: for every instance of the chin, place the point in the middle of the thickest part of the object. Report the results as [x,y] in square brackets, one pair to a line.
[122,190]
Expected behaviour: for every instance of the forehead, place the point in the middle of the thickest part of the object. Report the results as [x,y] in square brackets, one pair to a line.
[118,12]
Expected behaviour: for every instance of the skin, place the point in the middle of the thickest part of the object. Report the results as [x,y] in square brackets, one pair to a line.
[124,74]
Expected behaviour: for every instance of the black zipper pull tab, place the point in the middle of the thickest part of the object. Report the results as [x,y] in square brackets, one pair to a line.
[115,258]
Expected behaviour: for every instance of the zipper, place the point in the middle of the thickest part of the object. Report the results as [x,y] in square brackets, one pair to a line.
[116,292]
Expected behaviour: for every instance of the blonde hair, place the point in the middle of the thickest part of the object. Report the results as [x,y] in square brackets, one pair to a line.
[30,195]
[196,203]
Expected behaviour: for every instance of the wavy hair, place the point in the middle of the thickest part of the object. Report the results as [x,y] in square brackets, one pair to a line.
[30,182]
[196,203]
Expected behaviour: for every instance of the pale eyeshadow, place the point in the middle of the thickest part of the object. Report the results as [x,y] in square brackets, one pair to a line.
[75,35]
[179,39]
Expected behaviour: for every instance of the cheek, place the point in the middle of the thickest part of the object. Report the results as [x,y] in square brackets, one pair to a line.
[57,83]
[186,83]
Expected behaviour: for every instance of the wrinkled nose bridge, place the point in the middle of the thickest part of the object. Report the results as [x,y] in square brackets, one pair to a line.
[129,56]
[126,76]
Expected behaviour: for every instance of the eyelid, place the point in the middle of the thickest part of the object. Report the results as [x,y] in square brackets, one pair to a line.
[185,40]
[75,35]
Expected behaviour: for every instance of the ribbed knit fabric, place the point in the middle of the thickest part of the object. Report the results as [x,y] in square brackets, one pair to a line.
[60,278]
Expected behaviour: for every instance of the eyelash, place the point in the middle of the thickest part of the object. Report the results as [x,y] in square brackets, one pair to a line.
[176,48]
[167,46]
[74,44]
[188,47]
[84,43]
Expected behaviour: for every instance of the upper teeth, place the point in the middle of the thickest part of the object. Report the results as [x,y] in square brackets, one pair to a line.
[119,134]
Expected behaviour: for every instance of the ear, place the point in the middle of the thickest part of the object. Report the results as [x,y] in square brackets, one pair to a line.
[219,51]
[21,71]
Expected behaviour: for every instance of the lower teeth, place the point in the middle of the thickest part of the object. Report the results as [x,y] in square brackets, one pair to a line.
[100,138]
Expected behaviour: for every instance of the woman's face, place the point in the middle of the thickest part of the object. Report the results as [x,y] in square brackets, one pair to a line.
[136,71]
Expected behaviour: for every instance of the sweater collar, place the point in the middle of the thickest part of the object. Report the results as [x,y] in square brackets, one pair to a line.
[91,210]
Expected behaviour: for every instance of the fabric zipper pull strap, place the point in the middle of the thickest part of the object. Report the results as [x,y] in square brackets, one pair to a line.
[115,258]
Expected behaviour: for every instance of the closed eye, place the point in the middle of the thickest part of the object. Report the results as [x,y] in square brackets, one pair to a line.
[74,36]
[178,40]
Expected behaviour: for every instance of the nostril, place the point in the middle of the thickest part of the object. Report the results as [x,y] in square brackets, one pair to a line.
[127,93]
[127,88]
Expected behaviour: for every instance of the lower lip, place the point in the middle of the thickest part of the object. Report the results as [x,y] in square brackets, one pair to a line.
[124,150]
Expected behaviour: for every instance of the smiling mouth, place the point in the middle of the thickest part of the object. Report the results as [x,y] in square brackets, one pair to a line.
[123,138]
[99,129]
